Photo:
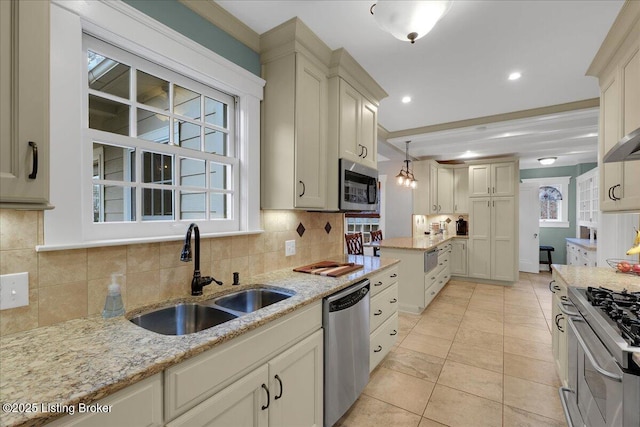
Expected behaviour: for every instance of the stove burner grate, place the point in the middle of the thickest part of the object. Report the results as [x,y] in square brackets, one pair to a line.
[621,307]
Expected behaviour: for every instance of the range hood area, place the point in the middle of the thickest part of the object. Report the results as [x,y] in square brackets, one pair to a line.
[627,149]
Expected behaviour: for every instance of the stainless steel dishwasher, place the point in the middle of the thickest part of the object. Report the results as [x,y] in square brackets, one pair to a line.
[345,319]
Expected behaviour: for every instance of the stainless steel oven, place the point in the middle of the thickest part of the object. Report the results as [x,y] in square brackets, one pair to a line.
[358,187]
[604,381]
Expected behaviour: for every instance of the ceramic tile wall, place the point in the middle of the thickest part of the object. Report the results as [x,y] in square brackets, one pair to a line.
[422,223]
[70,284]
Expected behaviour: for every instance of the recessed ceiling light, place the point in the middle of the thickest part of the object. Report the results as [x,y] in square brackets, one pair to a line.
[468,154]
[515,75]
[406,99]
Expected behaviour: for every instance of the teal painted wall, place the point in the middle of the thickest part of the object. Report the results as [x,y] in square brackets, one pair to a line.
[556,236]
[188,23]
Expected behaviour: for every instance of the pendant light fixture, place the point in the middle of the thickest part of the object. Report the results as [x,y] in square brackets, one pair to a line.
[408,20]
[405,177]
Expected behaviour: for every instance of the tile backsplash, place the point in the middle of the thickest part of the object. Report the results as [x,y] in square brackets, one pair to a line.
[71,284]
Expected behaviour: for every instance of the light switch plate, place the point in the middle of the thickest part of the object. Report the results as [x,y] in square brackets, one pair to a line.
[289,248]
[14,290]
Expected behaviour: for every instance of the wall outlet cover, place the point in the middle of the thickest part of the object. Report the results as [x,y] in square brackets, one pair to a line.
[14,290]
[290,248]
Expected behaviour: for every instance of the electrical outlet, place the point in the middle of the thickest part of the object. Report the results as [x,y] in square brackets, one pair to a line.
[289,248]
[14,290]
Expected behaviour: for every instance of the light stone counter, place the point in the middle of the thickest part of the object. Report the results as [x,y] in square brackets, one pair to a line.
[583,243]
[418,243]
[607,277]
[84,360]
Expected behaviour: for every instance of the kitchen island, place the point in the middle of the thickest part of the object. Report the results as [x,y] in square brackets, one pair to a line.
[84,360]
[421,279]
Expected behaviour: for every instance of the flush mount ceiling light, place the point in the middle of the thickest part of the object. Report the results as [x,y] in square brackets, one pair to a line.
[406,99]
[515,75]
[405,177]
[546,161]
[408,20]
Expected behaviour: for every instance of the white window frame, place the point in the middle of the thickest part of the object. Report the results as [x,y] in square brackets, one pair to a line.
[563,183]
[66,227]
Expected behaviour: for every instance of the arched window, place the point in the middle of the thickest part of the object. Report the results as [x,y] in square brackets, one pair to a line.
[550,202]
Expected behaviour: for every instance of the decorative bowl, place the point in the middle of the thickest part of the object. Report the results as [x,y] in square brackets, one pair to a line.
[613,262]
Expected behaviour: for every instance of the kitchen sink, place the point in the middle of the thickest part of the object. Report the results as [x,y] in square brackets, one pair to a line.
[250,300]
[182,319]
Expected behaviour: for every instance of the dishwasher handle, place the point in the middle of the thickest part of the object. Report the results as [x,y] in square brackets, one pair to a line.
[349,297]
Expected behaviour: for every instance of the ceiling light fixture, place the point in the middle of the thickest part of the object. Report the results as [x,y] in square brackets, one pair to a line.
[546,161]
[409,20]
[406,99]
[405,177]
[515,76]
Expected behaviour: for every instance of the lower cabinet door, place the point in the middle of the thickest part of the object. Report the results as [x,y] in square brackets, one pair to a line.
[295,383]
[244,403]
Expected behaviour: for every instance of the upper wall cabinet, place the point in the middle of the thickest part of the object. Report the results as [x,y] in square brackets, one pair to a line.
[358,124]
[495,179]
[24,104]
[319,106]
[294,124]
[617,66]
[441,189]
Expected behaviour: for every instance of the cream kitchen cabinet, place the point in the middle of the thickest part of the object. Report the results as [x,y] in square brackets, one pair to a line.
[617,67]
[383,318]
[580,253]
[286,391]
[137,405]
[24,104]
[444,195]
[358,125]
[294,142]
[272,375]
[421,170]
[461,190]
[494,179]
[459,257]
[587,199]
[559,327]
[492,249]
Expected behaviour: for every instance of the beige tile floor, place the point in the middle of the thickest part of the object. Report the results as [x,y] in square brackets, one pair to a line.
[479,355]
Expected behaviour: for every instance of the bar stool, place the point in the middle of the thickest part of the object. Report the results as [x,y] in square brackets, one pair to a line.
[354,244]
[376,236]
[548,250]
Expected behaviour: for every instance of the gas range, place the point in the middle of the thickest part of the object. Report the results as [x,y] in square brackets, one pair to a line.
[614,317]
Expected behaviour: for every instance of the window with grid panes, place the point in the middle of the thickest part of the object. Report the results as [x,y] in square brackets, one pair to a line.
[163,144]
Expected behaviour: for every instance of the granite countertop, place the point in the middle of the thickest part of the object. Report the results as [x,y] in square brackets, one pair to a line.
[84,360]
[584,243]
[607,277]
[418,243]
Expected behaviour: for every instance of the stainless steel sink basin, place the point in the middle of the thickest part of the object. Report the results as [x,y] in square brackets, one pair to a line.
[250,300]
[182,319]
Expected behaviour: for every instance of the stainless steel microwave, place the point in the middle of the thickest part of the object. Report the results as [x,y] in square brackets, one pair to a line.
[358,187]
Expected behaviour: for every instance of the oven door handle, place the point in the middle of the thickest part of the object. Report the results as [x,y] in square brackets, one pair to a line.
[562,305]
[587,352]
[565,406]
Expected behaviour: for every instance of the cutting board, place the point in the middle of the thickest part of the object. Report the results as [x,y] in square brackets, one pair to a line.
[329,268]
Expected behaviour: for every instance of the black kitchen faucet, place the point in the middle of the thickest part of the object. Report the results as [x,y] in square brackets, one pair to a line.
[198,282]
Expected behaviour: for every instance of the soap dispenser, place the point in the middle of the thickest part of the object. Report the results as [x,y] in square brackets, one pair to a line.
[113,305]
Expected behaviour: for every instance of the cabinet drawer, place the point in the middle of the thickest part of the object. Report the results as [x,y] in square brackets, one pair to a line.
[383,305]
[381,281]
[382,340]
[196,379]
